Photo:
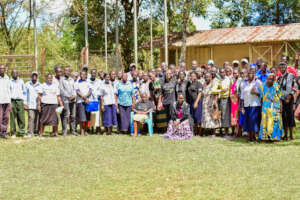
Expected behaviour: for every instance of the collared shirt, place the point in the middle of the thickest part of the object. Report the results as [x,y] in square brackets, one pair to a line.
[114,83]
[67,89]
[95,86]
[124,92]
[262,76]
[49,93]
[32,93]
[18,90]
[225,83]
[84,88]
[56,81]
[5,96]
[250,100]
[107,91]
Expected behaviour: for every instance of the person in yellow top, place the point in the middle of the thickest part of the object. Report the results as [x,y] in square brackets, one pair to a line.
[224,102]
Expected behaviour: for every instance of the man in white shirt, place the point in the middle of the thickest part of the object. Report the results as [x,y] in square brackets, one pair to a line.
[18,93]
[33,89]
[58,75]
[5,101]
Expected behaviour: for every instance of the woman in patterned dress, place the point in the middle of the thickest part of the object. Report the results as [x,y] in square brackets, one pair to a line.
[209,105]
[180,125]
[234,103]
[271,124]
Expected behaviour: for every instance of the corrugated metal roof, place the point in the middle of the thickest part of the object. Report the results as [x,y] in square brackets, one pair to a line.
[251,34]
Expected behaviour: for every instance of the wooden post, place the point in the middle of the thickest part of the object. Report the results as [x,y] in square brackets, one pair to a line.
[177,57]
[286,48]
[211,53]
[272,55]
[43,54]
[250,53]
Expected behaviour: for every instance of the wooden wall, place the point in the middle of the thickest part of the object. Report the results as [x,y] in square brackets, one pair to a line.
[270,52]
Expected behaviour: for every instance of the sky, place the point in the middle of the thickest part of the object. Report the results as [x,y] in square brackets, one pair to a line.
[58,6]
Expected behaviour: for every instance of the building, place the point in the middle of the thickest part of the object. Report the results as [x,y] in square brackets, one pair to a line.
[269,42]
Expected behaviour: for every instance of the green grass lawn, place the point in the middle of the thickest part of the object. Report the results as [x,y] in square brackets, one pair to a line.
[121,167]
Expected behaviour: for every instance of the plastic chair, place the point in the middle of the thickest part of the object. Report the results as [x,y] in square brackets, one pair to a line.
[149,122]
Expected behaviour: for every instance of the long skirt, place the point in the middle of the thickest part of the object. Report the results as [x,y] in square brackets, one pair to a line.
[225,112]
[182,132]
[252,119]
[81,114]
[124,122]
[161,122]
[288,117]
[48,115]
[196,113]
[110,116]
[234,113]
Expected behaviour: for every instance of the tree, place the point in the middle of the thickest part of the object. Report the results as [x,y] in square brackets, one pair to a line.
[255,12]
[14,19]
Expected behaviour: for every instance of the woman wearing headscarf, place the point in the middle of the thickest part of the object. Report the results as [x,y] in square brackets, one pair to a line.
[180,124]
[271,124]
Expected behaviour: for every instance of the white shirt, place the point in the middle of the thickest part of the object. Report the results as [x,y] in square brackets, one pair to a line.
[107,92]
[84,88]
[95,88]
[17,89]
[5,90]
[250,100]
[32,93]
[50,93]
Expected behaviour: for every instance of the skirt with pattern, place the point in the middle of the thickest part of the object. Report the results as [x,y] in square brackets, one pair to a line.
[181,132]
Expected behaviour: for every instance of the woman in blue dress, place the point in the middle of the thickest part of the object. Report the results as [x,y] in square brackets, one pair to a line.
[271,123]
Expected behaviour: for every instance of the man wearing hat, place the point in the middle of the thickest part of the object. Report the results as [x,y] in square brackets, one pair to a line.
[33,88]
[235,64]
[244,63]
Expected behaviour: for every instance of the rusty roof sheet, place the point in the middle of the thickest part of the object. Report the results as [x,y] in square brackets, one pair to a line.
[250,34]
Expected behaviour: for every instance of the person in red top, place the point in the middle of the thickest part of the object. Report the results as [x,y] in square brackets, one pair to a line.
[289,69]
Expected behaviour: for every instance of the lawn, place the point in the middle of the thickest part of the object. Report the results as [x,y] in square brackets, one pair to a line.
[121,167]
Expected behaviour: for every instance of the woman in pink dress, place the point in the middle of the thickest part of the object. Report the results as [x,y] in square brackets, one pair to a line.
[234,103]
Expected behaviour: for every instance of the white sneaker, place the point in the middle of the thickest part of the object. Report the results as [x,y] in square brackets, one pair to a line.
[13,136]
[28,136]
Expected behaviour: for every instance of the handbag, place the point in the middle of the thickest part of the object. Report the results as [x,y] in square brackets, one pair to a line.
[92,106]
[216,115]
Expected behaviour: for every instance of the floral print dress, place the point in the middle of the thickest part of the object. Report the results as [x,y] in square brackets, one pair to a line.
[208,104]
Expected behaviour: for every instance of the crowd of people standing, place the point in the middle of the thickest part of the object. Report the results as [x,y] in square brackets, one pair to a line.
[206,100]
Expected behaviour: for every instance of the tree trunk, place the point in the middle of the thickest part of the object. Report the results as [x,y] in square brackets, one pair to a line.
[184,30]
[277,20]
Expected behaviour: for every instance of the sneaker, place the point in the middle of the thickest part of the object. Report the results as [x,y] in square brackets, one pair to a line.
[29,135]
[13,136]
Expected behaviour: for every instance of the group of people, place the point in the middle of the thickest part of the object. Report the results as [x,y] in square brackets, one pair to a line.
[205,100]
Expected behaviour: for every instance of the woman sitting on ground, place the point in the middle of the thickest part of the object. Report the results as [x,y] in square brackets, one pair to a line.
[141,109]
[180,124]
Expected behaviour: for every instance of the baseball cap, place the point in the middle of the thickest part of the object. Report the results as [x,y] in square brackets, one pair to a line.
[235,62]
[245,60]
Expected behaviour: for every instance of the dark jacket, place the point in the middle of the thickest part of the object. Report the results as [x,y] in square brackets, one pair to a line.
[286,83]
[174,108]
